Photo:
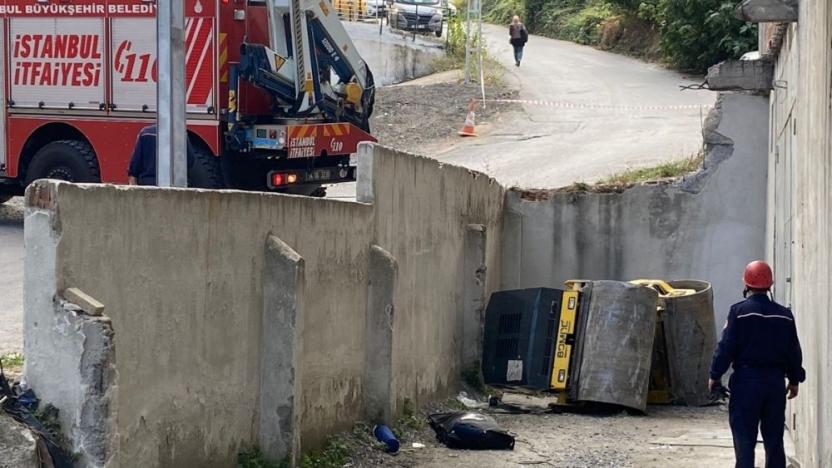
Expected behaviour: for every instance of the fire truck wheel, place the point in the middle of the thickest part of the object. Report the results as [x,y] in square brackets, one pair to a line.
[70,160]
[205,171]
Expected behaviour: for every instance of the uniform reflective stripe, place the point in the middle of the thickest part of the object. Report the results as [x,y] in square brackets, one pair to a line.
[764,316]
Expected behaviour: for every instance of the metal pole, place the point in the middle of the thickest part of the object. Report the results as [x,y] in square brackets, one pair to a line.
[480,46]
[171,150]
[468,42]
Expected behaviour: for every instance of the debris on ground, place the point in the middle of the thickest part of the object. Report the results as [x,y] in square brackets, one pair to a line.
[18,446]
[12,210]
[421,118]
[470,431]
[21,404]
[469,402]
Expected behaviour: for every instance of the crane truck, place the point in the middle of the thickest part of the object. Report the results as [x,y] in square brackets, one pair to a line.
[278,97]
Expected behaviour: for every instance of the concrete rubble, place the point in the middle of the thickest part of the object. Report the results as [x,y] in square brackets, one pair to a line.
[18,445]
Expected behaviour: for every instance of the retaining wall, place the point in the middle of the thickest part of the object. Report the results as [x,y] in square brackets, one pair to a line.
[706,227]
[212,295]
[391,56]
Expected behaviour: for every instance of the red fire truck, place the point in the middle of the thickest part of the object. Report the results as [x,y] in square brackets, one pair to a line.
[79,83]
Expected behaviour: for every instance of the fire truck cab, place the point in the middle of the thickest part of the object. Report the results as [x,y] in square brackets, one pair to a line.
[79,82]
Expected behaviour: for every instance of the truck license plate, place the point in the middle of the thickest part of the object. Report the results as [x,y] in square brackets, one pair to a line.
[319,175]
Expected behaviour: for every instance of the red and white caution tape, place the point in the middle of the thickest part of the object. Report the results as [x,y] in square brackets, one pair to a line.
[569,105]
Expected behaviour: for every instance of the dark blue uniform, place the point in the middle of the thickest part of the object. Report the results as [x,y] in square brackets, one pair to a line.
[760,340]
[143,161]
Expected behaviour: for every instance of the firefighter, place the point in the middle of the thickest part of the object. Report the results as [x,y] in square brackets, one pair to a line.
[760,340]
[142,169]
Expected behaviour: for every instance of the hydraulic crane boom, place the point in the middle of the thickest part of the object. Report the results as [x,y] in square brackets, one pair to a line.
[312,68]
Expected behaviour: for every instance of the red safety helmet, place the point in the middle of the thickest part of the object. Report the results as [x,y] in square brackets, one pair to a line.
[758,275]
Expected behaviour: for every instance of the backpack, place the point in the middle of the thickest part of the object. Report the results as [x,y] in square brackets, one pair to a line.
[524,35]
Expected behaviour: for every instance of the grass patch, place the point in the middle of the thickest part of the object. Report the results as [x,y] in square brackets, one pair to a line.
[472,377]
[410,420]
[666,170]
[48,416]
[252,457]
[454,58]
[11,360]
[335,454]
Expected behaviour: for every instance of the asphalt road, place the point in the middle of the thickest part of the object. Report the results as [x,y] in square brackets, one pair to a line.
[11,276]
[599,120]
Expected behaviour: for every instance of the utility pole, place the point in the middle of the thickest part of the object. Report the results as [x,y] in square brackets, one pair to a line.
[172,137]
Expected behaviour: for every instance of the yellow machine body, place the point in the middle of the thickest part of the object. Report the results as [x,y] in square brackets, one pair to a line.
[563,344]
[663,288]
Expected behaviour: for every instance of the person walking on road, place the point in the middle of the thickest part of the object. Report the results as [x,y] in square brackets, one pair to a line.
[760,340]
[518,37]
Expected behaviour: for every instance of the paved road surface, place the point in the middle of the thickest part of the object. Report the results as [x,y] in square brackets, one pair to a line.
[11,276]
[556,146]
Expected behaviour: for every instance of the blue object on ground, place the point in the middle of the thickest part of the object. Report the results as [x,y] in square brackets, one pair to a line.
[386,436]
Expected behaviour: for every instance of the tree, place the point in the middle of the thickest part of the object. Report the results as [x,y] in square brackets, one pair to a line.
[696,34]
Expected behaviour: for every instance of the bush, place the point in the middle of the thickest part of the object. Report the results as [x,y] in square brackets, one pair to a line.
[501,11]
[701,33]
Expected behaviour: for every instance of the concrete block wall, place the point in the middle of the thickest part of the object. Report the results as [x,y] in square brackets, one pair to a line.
[423,218]
[215,348]
[800,225]
[706,227]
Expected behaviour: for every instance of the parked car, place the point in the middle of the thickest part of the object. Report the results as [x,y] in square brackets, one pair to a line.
[425,16]
[376,8]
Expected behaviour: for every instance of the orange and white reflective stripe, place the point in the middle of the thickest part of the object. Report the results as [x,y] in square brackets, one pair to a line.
[338,129]
[326,130]
[223,57]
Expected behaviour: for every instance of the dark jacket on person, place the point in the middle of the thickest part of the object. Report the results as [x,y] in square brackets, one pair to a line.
[760,334]
[518,34]
[143,162]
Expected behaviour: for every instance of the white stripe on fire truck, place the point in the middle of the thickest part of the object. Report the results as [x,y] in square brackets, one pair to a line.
[202,57]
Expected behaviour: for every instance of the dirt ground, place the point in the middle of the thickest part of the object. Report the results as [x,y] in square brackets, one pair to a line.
[667,436]
[422,115]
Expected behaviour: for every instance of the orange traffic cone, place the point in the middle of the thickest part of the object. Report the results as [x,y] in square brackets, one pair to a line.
[468,128]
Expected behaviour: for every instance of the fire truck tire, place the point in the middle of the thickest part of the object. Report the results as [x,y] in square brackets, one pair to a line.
[70,160]
[205,171]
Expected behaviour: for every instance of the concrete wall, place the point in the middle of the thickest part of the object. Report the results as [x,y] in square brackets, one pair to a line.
[182,273]
[800,201]
[391,57]
[422,219]
[706,227]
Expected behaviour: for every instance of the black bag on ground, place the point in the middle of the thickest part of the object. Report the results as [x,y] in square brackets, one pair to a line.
[473,431]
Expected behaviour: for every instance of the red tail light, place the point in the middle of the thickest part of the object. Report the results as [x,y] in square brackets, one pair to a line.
[283,178]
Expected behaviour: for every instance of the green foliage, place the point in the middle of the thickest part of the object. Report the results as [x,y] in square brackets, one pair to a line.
[252,457]
[334,455]
[11,360]
[501,11]
[694,34]
[662,171]
[472,377]
[456,37]
[410,419]
[698,34]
